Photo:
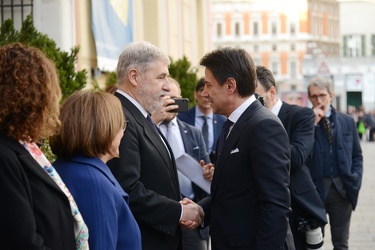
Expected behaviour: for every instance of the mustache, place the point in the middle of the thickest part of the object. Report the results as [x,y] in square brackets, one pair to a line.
[163,93]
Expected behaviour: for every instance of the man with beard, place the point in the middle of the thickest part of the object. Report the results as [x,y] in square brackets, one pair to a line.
[185,138]
[146,169]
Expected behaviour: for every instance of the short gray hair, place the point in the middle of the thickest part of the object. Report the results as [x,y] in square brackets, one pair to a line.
[139,55]
[320,82]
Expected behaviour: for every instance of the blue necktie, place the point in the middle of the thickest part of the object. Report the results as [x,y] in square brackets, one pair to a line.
[152,124]
[205,131]
[223,134]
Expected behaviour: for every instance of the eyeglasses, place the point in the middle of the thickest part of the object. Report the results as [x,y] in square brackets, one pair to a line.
[321,96]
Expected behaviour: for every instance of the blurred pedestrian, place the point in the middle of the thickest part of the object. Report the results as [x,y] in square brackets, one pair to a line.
[337,162]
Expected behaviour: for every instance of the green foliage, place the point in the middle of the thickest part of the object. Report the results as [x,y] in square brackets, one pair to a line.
[70,79]
[47,151]
[111,79]
[186,76]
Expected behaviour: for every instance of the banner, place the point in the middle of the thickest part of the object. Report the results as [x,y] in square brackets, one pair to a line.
[112,25]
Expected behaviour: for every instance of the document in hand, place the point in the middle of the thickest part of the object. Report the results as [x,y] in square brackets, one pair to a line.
[191,168]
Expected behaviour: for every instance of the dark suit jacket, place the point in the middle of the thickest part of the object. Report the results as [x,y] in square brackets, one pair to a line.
[299,124]
[146,172]
[249,203]
[194,146]
[348,152]
[218,122]
[34,212]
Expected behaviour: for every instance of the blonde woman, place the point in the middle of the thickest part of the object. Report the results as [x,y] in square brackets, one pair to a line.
[92,125]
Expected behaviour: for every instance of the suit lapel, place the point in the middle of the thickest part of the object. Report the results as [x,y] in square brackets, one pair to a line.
[229,144]
[156,139]
[191,116]
[284,110]
[217,129]
[29,163]
[185,138]
[147,127]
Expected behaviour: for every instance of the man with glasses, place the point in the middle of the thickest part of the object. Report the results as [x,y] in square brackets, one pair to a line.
[337,161]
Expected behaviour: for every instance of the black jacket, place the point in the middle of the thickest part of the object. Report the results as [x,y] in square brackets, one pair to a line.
[34,212]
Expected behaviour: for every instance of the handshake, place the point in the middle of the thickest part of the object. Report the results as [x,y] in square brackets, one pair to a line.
[192,214]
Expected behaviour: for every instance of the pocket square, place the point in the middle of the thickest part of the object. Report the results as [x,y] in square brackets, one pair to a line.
[234,151]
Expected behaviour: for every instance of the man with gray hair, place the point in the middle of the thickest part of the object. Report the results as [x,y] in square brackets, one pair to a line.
[146,169]
[337,162]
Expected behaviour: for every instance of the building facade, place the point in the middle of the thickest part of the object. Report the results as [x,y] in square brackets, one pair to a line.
[353,73]
[279,34]
[179,27]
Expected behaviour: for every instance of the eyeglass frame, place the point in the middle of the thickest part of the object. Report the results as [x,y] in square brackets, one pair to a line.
[321,96]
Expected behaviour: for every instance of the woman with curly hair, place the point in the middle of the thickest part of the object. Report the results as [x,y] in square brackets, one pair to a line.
[92,125]
[37,210]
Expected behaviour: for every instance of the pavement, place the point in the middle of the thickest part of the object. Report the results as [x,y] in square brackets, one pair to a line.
[362,227]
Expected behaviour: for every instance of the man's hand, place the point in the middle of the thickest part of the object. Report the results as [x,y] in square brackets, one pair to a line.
[319,113]
[192,215]
[208,170]
[161,113]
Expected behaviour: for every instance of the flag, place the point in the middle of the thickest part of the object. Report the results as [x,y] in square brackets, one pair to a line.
[112,25]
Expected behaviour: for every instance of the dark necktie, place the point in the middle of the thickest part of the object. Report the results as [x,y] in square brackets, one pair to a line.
[328,129]
[223,134]
[205,131]
[152,124]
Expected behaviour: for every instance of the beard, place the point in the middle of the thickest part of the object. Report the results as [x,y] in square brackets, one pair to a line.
[150,101]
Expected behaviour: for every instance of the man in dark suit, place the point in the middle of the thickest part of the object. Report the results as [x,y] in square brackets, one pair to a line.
[197,115]
[146,169]
[299,124]
[337,162]
[184,138]
[249,203]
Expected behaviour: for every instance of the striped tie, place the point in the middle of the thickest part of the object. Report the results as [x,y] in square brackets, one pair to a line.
[328,129]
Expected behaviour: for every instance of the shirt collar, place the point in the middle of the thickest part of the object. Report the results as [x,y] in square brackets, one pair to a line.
[329,113]
[174,121]
[132,100]
[198,113]
[276,108]
[235,115]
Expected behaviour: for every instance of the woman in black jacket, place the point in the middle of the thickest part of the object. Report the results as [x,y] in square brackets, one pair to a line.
[36,211]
